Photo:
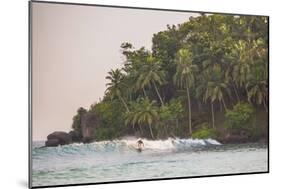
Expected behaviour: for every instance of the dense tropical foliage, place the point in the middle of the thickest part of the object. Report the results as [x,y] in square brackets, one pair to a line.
[203,78]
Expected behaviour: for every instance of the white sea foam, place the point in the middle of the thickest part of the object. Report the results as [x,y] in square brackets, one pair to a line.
[130,143]
[170,143]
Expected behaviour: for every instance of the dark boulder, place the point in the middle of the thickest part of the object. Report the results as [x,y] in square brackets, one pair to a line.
[59,138]
[52,142]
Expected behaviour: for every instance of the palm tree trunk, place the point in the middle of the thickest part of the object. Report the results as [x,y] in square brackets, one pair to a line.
[151,133]
[124,103]
[177,126]
[162,103]
[144,92]
[199,105]
[213,116]
[189,110]
[249,99]
[236,93]
[264,104]
[223,102]
[166,130]
[254,122]
[140,129]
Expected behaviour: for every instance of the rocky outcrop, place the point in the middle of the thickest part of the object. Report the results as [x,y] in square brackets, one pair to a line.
[58,138]
[89,121]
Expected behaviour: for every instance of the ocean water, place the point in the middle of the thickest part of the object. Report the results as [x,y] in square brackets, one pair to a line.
[119,160]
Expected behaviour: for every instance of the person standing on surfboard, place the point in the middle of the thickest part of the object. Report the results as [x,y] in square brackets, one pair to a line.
[140,144]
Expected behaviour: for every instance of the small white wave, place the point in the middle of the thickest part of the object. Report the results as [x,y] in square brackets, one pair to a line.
[212,141]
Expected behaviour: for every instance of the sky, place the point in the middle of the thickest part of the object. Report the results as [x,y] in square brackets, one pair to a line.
[73,48]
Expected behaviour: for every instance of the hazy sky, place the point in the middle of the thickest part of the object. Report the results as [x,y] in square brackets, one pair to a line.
[73,49]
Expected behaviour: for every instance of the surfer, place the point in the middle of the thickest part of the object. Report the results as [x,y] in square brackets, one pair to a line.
[140,145]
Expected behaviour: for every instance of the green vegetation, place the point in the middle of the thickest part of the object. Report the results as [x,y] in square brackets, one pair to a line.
[238,119]
[76,124]
[111,116]
[204,132]
[211,70]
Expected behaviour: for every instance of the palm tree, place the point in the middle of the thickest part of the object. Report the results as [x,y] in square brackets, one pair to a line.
[151,75]
[241,62]
[184,76]
[257,88]
[116,85]
[132,68]
[130,118]
[201,90]
[249,69]
[133,80]
[212,87]
[216,85]
[144,113]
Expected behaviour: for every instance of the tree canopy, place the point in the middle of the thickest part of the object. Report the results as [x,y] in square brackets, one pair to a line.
[196,72]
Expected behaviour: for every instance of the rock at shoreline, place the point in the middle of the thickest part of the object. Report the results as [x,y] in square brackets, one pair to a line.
[58,138]
[89,121]
[52,142]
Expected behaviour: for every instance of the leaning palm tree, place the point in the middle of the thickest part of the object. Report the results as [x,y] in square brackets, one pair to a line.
[184,76]
[115,86]
[151,75]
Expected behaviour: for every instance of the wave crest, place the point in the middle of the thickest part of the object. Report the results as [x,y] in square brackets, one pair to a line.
[127,144]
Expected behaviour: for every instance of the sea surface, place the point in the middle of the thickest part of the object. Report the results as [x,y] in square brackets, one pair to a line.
[119,160]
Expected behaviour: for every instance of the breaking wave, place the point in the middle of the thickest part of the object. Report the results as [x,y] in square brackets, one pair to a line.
[126,144]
